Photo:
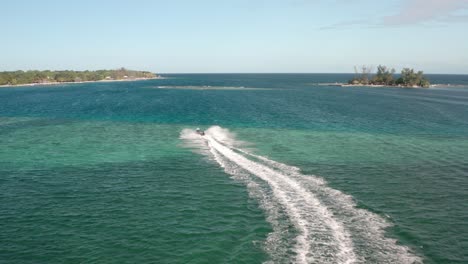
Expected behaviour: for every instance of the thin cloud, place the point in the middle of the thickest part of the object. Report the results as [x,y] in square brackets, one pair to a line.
[455,18]
[414,12]
[345,24]
[420,11]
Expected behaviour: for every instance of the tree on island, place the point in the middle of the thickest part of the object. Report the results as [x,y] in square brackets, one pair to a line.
[361,76]
[411,78]
[384,76]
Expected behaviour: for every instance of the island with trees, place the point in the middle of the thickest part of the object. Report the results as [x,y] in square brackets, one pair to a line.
[13,78]
[385,77]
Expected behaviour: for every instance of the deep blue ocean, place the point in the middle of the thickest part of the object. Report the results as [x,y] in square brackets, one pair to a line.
[288,171]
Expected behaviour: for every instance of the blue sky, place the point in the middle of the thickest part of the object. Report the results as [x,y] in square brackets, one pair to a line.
[235,36]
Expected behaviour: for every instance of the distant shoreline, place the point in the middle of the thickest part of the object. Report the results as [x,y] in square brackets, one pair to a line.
[51,77]
[59,83]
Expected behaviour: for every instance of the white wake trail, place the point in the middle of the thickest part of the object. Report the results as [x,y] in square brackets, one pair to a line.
[326,220]
[365,226]
[318,230]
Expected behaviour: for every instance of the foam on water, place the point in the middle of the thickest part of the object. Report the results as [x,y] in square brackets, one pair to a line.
[328,228]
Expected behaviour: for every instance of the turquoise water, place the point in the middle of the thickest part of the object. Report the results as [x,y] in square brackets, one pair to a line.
[288,171]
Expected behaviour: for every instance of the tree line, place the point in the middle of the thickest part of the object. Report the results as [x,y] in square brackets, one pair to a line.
[30,77]
[385,76]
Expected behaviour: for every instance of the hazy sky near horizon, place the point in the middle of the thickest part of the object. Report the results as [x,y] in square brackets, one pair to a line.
[235,36]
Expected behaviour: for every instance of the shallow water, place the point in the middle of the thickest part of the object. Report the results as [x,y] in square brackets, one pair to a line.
[288,171]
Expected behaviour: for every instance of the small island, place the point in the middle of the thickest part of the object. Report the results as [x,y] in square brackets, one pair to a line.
[17,78]
[385,77]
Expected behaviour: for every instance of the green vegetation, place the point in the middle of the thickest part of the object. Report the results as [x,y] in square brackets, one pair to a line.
[385,76]
[45,77]
[411,78]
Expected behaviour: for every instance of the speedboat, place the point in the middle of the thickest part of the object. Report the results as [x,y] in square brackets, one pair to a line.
[200,132]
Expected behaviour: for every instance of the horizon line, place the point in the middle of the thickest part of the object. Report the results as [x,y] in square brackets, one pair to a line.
[159,73]
[292,73]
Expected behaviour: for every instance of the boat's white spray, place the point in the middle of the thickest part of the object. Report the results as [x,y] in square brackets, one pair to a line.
[325,219]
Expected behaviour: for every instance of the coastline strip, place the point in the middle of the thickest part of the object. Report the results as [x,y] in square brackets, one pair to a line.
[60,83]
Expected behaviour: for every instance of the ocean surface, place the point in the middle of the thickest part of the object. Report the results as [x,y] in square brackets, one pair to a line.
[288,171]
